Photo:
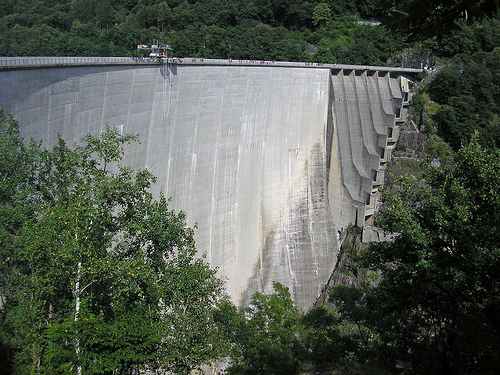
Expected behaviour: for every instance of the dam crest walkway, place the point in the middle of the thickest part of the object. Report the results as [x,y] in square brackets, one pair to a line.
[28,62]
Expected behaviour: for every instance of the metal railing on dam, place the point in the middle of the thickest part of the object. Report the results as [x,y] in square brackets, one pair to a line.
[41,62]
[23,62]
[290,64]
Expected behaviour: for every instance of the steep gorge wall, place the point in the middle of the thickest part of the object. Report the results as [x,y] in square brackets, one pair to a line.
[270,162]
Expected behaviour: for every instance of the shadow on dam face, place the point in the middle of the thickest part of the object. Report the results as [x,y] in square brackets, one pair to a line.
[270,162]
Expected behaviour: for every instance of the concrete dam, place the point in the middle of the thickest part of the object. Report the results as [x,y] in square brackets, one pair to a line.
[271,160]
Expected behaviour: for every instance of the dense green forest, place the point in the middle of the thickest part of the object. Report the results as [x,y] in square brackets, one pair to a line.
[113,286]
[290,30]
[465,96]
[259,29]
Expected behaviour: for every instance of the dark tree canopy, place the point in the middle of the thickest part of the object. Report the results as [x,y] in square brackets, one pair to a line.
[436,302]
[426,19]
[468,91]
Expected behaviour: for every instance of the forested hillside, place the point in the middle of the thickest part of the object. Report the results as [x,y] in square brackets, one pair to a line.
[291,30]
[256,29]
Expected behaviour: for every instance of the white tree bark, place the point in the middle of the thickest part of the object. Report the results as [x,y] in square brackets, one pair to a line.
[77,311]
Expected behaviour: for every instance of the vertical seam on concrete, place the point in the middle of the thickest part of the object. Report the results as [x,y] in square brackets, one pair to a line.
[214,177]
[104,99]
[192,169]
[151,124]
[171,129]
[131,91]
[49,94]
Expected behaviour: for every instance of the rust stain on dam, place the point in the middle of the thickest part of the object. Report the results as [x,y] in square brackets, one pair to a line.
[270,162]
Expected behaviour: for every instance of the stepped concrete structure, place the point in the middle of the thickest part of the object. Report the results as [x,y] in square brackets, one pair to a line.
[271,160]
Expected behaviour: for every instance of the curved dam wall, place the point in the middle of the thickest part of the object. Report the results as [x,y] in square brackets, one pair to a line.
[270,162]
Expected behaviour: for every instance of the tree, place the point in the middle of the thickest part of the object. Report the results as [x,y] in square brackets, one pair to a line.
[342,7]
[190,330]
[269,334]
[104,13]
[97,275]
[434,18]
[437,303]
[321,14]
[164,14]
[323,336]
[368,8]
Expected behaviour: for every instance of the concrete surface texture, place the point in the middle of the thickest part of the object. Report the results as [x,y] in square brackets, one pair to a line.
[270,162]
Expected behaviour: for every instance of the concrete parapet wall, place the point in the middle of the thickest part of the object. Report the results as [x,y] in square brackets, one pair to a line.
[23,62]
[270,161]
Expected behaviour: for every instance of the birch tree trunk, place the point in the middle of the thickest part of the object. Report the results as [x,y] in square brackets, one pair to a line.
[77,311]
